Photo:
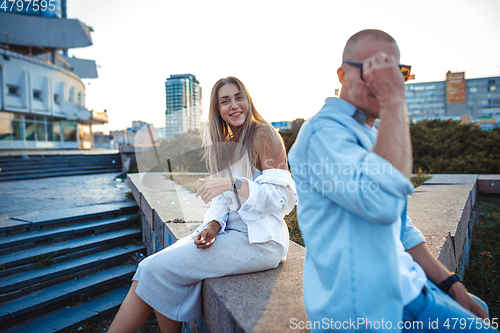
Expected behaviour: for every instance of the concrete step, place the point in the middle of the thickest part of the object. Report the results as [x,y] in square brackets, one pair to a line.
[54,166]
[31,258]
[57,174]
[20,309]
[64,159]
[58,218]
[22,283]
[42,166]
[17,242]
[48,157]
[68,318]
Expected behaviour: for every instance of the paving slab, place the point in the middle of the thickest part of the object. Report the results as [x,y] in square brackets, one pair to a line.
[441,213]
[47,194]
[450,179]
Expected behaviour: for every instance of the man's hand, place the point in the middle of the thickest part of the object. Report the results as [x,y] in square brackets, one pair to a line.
[206,238]
[384,80]
[383,77]
[213,187]
[459,294]
[437,273]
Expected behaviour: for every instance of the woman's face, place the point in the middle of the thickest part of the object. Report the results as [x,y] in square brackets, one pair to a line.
[232,106]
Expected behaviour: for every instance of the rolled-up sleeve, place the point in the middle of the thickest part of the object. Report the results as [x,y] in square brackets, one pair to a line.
[218,211]
[411,236]
[270,193]
[361,181]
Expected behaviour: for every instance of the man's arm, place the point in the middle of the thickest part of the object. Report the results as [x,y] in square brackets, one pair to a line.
[384,79]
[437,273]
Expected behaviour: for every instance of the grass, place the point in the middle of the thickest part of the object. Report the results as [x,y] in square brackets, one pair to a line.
[419,178]
[44,260]
[482,277]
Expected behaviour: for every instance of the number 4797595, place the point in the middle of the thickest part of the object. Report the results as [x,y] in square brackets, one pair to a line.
[477,323]
[20,5]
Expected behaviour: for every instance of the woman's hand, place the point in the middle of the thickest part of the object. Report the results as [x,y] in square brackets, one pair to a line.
[213,187]
[206,237]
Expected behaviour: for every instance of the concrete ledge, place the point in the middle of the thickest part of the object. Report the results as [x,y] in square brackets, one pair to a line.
[258,302]
[442,209]
[267,301]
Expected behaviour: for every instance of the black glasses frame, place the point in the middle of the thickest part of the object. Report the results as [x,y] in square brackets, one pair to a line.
[405,69]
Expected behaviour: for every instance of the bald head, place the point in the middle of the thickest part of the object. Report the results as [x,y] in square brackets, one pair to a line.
[351,49]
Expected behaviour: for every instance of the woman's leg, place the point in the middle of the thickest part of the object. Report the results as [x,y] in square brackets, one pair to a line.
[168,325]
[132,315]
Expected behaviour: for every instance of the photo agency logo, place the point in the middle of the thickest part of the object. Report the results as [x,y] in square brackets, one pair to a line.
[164,165]
[325,176]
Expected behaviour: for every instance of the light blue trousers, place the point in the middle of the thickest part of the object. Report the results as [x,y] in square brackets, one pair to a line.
[435,311]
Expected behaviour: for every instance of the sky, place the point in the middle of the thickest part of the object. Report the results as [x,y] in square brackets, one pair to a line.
[285,52]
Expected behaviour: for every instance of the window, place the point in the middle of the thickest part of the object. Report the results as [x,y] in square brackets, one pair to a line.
[473,89]
[37,94]
[56,98]
[69,130]
[12,90]
[492,88]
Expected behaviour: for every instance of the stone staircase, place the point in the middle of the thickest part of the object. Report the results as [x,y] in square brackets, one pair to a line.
[29,166]
[60,268]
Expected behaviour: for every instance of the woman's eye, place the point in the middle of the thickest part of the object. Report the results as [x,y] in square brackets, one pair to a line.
[223,102]
[240,98]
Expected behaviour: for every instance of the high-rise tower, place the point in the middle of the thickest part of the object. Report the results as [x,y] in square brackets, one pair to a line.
[183,94]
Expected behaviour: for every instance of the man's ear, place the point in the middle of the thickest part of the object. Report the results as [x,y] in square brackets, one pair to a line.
[341,74]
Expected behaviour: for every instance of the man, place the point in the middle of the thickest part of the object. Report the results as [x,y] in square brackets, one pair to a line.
[366,267]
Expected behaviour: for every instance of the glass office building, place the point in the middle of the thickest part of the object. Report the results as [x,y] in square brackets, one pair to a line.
[183,97]
[477,100]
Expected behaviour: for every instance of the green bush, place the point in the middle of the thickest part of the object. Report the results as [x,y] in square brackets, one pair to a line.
[450,147]
[447,147]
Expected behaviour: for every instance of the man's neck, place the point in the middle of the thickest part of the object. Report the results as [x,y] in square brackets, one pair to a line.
[370,121]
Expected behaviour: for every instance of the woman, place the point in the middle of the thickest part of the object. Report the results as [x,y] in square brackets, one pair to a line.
[243,231]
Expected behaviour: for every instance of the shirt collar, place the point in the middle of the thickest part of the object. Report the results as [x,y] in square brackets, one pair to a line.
[347,108]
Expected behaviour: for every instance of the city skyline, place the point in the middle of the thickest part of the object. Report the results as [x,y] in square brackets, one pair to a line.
[286,53]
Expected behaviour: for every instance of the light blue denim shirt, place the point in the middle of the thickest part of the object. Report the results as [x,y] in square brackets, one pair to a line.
[348,199]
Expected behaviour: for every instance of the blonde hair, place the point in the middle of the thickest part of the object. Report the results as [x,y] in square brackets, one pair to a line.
[222,149]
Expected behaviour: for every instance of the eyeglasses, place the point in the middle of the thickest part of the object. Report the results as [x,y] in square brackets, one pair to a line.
[405,69]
